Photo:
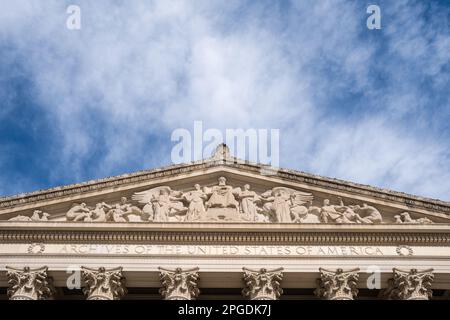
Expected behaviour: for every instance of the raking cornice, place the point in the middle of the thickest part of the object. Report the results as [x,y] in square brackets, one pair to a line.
[176,170]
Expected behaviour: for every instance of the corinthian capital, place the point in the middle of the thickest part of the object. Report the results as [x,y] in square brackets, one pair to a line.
[262,284]
[337,285]
[29,284]
[179,284]
[102,284]
[409,285]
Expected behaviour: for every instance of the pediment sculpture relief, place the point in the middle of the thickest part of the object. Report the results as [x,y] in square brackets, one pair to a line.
[405,217]
[37,215]
[226,203]
[103,212]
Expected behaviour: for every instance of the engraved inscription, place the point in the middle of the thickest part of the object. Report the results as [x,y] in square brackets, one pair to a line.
[222,250]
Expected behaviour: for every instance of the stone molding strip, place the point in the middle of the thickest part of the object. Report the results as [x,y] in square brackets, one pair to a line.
[196,236]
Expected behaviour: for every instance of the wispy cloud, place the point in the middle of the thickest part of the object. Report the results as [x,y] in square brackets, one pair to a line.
[369,106]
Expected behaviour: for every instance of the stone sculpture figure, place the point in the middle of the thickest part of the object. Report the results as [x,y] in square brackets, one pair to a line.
[120,212]
[248,199]
[336,213]
[128,208]
[161,203]
[195,198]
[221,196]
[371,214]
[116,214]
[37,215]
[79,212]
[98,214]
[279,204]
[405,217]
[302,213]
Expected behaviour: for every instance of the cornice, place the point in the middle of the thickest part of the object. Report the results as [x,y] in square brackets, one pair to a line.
[176,170]
[219,234]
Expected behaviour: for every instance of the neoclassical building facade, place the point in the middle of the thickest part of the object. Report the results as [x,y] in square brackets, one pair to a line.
[223,228]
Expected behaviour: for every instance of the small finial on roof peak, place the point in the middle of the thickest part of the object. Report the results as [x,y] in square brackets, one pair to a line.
[222,152]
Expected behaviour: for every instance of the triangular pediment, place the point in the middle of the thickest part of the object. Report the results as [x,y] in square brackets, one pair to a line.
[249,193]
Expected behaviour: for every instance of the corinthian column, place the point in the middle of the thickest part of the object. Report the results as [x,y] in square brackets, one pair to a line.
[337,285]
[179,284]
[29,284]
[102,284]
[262,284]
[409,285]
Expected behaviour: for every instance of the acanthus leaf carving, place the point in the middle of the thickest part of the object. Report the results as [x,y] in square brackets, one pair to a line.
[337,284]
[103,284]
[409,285]
[29,284]
[179,284]
[262,284]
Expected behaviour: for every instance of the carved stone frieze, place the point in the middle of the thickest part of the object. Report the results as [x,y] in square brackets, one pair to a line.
[337,284]
[179,284]
[102,212]
[103,284]
[29,284]
[262,284]
[225,203]
[409,285]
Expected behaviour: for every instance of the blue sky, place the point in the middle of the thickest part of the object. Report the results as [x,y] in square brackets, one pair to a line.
[369,106]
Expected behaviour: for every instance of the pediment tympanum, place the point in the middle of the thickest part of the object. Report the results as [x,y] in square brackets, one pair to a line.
[223,191]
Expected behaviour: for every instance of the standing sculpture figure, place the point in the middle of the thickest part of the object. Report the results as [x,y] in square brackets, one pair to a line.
[160,204]
[248,206]
[196,209]
[165,204]
[280,205]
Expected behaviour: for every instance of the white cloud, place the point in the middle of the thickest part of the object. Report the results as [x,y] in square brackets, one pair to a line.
[138,70]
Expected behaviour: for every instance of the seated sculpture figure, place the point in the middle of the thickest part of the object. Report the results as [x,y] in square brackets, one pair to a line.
[79,212]
[221,196]
[371,214]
